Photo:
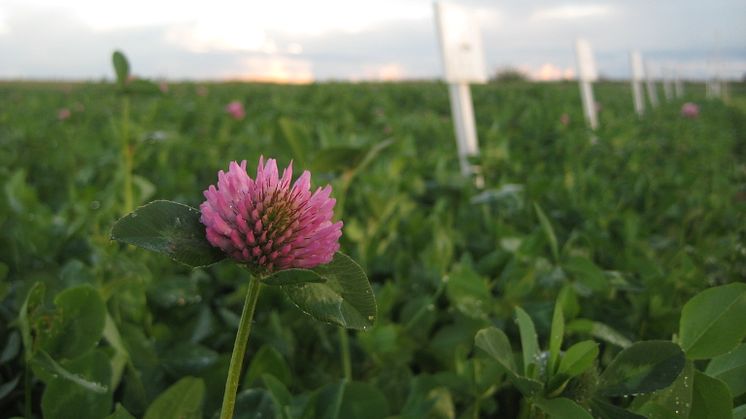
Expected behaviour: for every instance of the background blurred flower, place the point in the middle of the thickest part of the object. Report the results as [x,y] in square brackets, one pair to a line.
[267,224]
[63,114]
[565,119]
[235,109]
[690,110]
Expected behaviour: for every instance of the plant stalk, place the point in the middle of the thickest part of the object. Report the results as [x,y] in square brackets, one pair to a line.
[344,347]
[27,390]
[239,349]
[344,339]
[128,155]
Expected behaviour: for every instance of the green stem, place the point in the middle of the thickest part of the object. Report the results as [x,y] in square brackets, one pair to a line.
[239,349]
[127,155]
[27,391]
[344,347]
[344,340]
[422,310]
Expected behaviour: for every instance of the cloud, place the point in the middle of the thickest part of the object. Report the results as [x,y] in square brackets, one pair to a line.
[294,48]
[385,72]
[411,44]
[293,16]
[67,48]
[336,39]
[3,25]
[200,38]
[275,69]
[572,12]
[548,72]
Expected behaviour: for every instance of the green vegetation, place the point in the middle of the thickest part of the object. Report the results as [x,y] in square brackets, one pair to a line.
[602,277]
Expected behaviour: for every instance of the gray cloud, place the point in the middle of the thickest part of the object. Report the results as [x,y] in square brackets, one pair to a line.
[686,34]
[411,44]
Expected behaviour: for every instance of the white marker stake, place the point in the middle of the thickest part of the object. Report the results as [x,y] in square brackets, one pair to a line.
[638,75]
[679,86]
[588,74]
[713,88]
[462,113]
[652,92]
[463,61]
[717,88]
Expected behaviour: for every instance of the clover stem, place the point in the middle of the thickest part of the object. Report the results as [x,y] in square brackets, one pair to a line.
[27,395]
[344,340]
[344,347]
[239,349]
[127,155]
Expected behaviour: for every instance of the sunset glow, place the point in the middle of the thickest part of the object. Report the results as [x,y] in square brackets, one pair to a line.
[275,69]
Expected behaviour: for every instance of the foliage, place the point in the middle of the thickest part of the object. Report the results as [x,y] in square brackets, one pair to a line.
[509,75]
[600,277]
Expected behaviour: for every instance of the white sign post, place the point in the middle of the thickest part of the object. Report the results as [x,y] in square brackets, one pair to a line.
[650,82]
[638,75]
[713,88]
[463,61]
[588,74]
[678,86]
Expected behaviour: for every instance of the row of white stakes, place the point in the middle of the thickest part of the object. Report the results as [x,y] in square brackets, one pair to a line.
[464,63]
[673,86]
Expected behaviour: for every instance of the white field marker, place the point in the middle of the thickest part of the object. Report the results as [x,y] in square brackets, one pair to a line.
[638,75]
[714,88]
[652,89]
[717,88]
[588,74]
[678,86]
[463,61]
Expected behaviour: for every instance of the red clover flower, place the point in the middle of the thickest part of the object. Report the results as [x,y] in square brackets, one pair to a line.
[268,225]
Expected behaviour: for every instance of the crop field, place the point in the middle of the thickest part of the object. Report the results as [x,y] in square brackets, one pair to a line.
[588,277]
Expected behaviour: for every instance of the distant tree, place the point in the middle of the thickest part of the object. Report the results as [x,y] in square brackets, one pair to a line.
[509,74]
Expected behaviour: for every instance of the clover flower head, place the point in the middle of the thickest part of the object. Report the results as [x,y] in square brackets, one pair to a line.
[268,224]
[690,110]
[235,109]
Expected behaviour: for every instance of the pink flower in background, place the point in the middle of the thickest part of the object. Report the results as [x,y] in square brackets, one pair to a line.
[235,109]
[63,114]
[268,224]
[690,110]
[565,119]
[163,87]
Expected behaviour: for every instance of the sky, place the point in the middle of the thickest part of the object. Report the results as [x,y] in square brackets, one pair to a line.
[300,41]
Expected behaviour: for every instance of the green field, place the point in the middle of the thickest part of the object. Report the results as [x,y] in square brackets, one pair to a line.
[618,234]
